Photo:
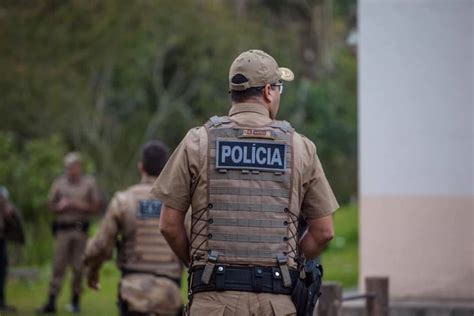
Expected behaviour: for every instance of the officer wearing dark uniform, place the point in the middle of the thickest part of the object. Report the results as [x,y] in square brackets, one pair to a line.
[73,198]
[151,272]
[10,230]
[248,178]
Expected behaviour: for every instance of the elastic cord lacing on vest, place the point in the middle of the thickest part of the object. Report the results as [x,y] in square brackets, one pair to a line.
[196,217]
[292,234]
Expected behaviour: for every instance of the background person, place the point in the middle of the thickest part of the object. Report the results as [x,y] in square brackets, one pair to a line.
[73,198]
[151,272]
[10,230]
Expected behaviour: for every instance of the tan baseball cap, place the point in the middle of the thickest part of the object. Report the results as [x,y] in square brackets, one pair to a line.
[259,69]
[71,158]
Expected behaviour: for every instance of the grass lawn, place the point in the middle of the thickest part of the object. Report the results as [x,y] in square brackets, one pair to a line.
[341,259]
[340,262]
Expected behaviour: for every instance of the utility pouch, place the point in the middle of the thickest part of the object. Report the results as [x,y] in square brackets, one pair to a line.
[307,291]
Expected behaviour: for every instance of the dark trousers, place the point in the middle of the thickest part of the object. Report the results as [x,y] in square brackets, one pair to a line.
[3,269]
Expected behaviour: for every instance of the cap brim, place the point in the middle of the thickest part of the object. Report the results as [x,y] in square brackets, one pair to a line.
[286,74]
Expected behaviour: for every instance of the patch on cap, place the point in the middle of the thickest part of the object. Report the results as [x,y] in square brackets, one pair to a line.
[286,74]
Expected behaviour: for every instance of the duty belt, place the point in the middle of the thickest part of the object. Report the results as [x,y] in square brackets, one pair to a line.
[247,279]
[78,225]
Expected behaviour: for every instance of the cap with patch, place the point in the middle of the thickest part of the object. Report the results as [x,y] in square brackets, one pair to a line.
[71,158]
[258,68]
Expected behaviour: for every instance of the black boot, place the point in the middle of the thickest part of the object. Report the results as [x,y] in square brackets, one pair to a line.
[50,307]
[74,307]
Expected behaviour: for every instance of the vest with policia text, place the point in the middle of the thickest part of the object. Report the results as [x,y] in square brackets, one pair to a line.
[143,248]
[250,220]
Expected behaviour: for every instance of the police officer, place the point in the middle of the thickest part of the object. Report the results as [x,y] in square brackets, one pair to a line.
[10,230]
[248,177]
[151,272]
[73,198]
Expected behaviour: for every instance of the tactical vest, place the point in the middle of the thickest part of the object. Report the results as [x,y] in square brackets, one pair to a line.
[145,249]
[248,220]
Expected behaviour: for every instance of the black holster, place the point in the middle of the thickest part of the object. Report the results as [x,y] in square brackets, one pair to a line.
[308,289]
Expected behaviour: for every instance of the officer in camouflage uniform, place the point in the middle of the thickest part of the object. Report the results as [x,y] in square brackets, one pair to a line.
[151,272]
[248,178]
[73,199]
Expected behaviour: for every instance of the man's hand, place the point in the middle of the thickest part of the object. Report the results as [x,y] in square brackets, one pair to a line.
[93,279]
[62,205]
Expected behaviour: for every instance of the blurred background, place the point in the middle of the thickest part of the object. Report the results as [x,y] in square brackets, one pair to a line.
[103,77]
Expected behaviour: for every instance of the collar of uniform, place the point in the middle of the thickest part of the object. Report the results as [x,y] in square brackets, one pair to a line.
[249,107]
[148,179]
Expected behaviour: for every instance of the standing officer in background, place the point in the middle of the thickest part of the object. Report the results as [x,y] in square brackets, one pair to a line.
[10,230]
[248,177]
[73,198]
[151,272]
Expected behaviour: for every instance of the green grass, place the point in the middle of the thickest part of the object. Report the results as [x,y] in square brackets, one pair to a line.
[340,259]
[340,262]
[26,296]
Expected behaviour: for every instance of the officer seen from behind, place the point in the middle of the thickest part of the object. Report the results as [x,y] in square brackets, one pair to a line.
[248,178]
[151,272]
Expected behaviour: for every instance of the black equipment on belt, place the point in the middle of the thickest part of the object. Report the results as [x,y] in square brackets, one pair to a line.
[82,226]
[307,288]
[307,291]
[126,272]
[248,279]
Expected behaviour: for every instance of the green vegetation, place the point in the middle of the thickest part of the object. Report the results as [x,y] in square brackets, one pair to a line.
[104,77]
[340,259]
[28,295]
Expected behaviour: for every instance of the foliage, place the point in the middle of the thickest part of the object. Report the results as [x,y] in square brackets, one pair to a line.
[28,170]
[326,113]
[109,75]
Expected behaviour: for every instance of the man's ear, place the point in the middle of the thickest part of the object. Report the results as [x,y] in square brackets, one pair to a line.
[267,93]
[140,166]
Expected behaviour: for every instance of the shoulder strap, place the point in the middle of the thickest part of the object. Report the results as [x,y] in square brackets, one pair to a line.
[217,120]
[283,125]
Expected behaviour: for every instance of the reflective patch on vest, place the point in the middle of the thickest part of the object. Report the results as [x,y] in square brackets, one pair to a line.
[257,133]
[149,209]
[251,155]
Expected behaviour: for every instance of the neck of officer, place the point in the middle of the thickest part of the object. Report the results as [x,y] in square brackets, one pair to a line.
[259,101]
[73,178]
[146,178]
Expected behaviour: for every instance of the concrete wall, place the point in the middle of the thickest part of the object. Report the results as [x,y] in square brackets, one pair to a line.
[416,146]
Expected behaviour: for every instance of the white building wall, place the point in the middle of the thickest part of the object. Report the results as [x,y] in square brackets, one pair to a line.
[416,161]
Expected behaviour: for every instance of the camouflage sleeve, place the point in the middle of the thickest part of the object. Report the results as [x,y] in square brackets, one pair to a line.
[100,247]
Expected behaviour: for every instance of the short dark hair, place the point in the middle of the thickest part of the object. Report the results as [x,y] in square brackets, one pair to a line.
[154,156]
[244,95]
